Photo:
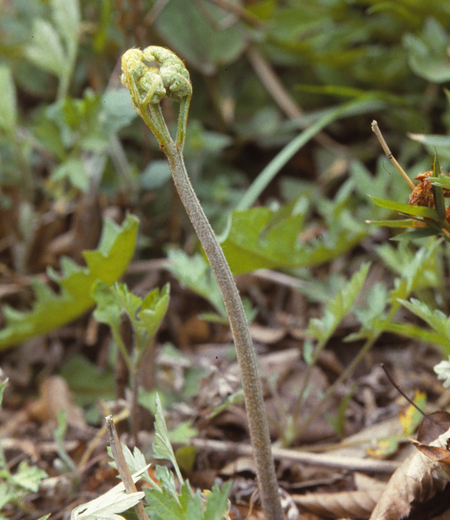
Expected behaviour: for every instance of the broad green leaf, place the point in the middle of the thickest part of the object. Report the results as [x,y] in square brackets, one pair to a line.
[427,55]
[432,140]
[52,310]
[46,51]
[418,211]
[66,16]
[8,106]
[28,477]
[199,32]
[250,242]
[337,308]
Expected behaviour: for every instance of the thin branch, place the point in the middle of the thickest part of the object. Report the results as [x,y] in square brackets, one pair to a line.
[389,154]
[122,466]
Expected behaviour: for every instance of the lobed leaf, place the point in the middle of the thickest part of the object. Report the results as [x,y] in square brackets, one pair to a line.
[52,310]
[338,307]
[255,239]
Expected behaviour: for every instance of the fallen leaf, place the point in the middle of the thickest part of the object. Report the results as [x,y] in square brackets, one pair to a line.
[351,504]
[416,480]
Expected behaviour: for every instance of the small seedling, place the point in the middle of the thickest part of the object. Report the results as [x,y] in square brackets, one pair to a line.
[15,486]
[144,316]
[163,498]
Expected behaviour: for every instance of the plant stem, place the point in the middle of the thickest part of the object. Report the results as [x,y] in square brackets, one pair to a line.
[254,402]
[148,86]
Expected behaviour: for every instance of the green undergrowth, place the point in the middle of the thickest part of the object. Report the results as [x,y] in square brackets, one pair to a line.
[54,309]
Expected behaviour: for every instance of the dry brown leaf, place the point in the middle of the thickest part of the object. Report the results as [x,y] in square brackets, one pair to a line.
[351,504]
[417,479]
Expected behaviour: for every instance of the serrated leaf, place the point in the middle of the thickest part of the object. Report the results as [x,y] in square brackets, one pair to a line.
[135,461]
[418,211]
[112,301]
[217,502]
[162,505]
[436,319]
[28,477]
[107,264]
[162,448]
[338,307]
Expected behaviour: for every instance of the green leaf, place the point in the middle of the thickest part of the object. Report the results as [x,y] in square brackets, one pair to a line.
[162,505]
[418,211]
[52,310]
[28,477]
[197,34]
[2,389]
[8,106]
[73,170]
[337,308]
[196,274]
[86,381]
[438,194]
[443,181]
[427,55]
[417,233]
[112,301]
[67,17]
[251,240]
[436,319]
[162,448]
[409,330]
[135,461]
[217,502]
[46,51]
[407,222]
